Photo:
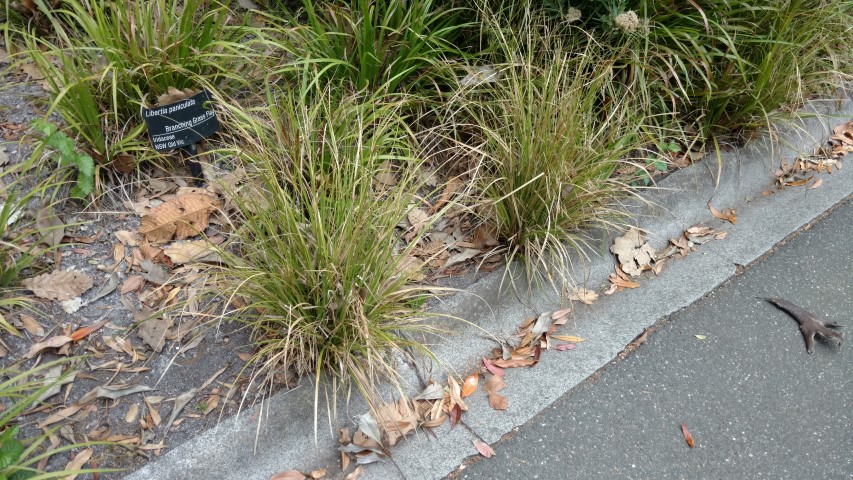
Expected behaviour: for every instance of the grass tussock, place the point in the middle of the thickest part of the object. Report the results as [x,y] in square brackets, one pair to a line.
[318,257]
[552,133]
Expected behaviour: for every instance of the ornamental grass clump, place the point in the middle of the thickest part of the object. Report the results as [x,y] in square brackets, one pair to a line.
[105,60]
[735,63]
[553,130]
[318,260]
[370,44]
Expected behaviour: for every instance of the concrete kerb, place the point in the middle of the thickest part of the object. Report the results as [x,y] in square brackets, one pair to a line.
[285,438]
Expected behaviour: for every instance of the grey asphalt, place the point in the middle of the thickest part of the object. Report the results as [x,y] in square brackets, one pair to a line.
[757,405]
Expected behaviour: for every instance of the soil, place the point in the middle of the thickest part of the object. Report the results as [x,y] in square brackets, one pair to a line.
[203,358]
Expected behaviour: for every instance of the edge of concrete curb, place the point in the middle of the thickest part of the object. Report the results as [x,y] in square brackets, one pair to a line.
[279,434]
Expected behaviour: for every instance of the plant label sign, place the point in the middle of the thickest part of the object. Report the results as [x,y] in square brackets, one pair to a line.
[181,124]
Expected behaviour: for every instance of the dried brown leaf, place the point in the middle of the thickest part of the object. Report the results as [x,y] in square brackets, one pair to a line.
[132,413]
[491,367]
[32,325]
[288,475]
[130,239]
[484,449]
[180,217]
[153,332]
[49,225]
[52,342]
[77,463]
[727,214]
[816,184]
[688,437]
[59,285]
[633,252]
[584,295]
[133,283]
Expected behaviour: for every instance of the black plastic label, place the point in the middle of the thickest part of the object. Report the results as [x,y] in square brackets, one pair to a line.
[182,123]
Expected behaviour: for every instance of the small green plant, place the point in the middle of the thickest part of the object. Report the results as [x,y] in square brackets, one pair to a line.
[67,155]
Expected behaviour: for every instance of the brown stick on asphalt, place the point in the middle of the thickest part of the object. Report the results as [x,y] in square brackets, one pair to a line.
[809,323]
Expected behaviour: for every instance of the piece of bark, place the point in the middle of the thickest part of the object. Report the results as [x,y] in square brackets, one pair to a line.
[809,323]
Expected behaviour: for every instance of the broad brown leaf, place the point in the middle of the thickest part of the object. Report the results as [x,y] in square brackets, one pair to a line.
[59,285]
[484,448]
[181,217]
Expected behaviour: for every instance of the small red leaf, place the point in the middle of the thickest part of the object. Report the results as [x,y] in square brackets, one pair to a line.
[537,354]
[484,449]
[455,415]
[491,367]
[687,435]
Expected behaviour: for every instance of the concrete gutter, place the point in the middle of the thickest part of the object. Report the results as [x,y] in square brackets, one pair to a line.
[279,434]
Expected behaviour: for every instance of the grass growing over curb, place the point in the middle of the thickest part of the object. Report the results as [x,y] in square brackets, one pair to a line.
[318,260]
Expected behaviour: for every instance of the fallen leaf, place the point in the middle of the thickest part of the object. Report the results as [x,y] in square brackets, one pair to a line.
[584,295]
[568,338]
[156,274]
[727,214]
[52,342]
[816,184]
[469,386]
[465,254]
[619,282]
[189,251]
[49,225]
[132,413]
[133,282]
[31,325]
[611,290]
[491,367]
[83,332]
[355,474]
[130,239]
[180,217]
[106,289]
[701,337]
[320,473]
[77,463]
[153,332]
[687,436]
[484,448]
[368,426]
[117,391]
[181,401]
[59,285]
[288,475]
[565,346]
[633,252]
[455,415]
[493,385]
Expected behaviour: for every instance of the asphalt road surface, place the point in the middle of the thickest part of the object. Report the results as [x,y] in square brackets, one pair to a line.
[757,405]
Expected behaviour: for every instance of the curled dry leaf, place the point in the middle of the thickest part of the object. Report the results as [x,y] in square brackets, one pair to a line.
[52,342]
[180,217]
[484,448]
[492,368]
[59,285]
[568,338]
[633,252]
[584,295]
[355,474]
[727,214]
